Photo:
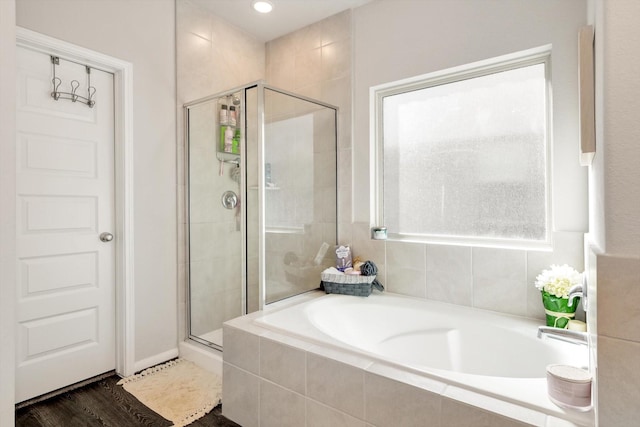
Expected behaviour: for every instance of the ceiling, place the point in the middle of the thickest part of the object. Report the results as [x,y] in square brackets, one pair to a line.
[287,15]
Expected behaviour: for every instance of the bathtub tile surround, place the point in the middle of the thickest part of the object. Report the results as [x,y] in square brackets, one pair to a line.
[413,406]
[406,269]
[618,340]
[241,401]
[618,379]
[336,384]
[463,415]
[618,311]
[282,364]
[319,415]
[280,407]
[499,280]
[242,347]
[329,386]
[493,279]
[450,275]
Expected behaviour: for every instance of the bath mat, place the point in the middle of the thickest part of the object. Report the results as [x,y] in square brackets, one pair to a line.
[178,390]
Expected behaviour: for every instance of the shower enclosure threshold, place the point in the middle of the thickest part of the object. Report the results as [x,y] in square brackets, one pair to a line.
[207,358]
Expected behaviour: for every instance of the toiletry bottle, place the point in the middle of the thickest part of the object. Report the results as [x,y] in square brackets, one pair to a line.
[224,115]
[228,139]
[235,143]
[223,130]
[232,116]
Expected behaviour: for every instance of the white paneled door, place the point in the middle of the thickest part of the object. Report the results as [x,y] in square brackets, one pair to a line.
[65,201]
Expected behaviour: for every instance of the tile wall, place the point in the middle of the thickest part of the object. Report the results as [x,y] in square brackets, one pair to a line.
[316,62]
[614,303]
[486,278]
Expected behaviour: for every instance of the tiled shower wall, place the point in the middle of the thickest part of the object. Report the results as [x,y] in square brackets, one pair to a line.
[316,62]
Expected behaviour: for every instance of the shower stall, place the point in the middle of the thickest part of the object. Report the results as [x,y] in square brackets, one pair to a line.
[261,202]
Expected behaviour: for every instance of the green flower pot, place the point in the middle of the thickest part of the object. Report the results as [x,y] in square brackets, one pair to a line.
[557,309]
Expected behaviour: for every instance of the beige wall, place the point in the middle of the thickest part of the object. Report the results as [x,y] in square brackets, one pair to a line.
[128,31]
[7,211]
[615,213]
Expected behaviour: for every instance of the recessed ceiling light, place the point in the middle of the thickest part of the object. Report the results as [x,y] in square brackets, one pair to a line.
[262,6]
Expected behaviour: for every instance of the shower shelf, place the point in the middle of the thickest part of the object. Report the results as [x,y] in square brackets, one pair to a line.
[228,157]
[255,187]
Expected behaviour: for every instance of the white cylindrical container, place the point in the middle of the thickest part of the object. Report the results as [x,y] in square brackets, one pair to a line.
[224,115]
[577,325]
[379,233]
[569,387]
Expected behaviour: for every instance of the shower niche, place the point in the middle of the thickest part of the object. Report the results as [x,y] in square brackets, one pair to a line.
[261,202]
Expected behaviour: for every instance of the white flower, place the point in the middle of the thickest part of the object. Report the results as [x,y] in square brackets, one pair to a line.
[558,280]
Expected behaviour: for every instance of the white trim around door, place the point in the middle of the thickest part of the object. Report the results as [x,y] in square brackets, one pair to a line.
[123,104]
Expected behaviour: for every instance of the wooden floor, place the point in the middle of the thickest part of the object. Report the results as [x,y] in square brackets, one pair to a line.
[102,403]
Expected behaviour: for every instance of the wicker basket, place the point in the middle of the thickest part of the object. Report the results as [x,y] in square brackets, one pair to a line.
[347,284]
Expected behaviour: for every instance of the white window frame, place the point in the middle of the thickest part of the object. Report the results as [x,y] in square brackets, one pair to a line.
[539,55]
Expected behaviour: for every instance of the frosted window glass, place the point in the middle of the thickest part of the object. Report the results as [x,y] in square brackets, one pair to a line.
[468,158]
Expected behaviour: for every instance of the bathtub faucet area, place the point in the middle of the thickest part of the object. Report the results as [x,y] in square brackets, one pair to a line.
[574,337]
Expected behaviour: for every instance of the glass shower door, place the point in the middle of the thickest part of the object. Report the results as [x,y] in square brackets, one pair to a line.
[216,279]
[262,212]
[299,193]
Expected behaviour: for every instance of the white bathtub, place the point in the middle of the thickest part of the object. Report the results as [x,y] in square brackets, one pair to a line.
[427,335]
[496,359]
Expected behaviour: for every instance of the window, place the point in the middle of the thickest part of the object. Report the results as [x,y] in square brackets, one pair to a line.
[462,156]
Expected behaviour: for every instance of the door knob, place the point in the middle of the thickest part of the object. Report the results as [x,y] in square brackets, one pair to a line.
[106,237]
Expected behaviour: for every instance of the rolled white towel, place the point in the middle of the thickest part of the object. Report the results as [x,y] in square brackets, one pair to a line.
[332,270]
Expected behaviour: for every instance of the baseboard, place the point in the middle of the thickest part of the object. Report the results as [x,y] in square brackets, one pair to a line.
[143,364]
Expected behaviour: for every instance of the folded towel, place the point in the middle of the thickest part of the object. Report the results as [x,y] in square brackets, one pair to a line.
[332,270]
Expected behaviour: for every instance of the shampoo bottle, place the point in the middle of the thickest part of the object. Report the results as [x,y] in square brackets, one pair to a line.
[235,143]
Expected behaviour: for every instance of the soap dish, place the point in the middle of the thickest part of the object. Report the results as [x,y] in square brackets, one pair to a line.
[569,387]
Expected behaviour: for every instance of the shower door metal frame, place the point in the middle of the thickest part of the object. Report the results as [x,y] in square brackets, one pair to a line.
[243,206]
[262,278]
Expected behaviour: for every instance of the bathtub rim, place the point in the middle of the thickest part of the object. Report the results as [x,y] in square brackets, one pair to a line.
[529,404]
